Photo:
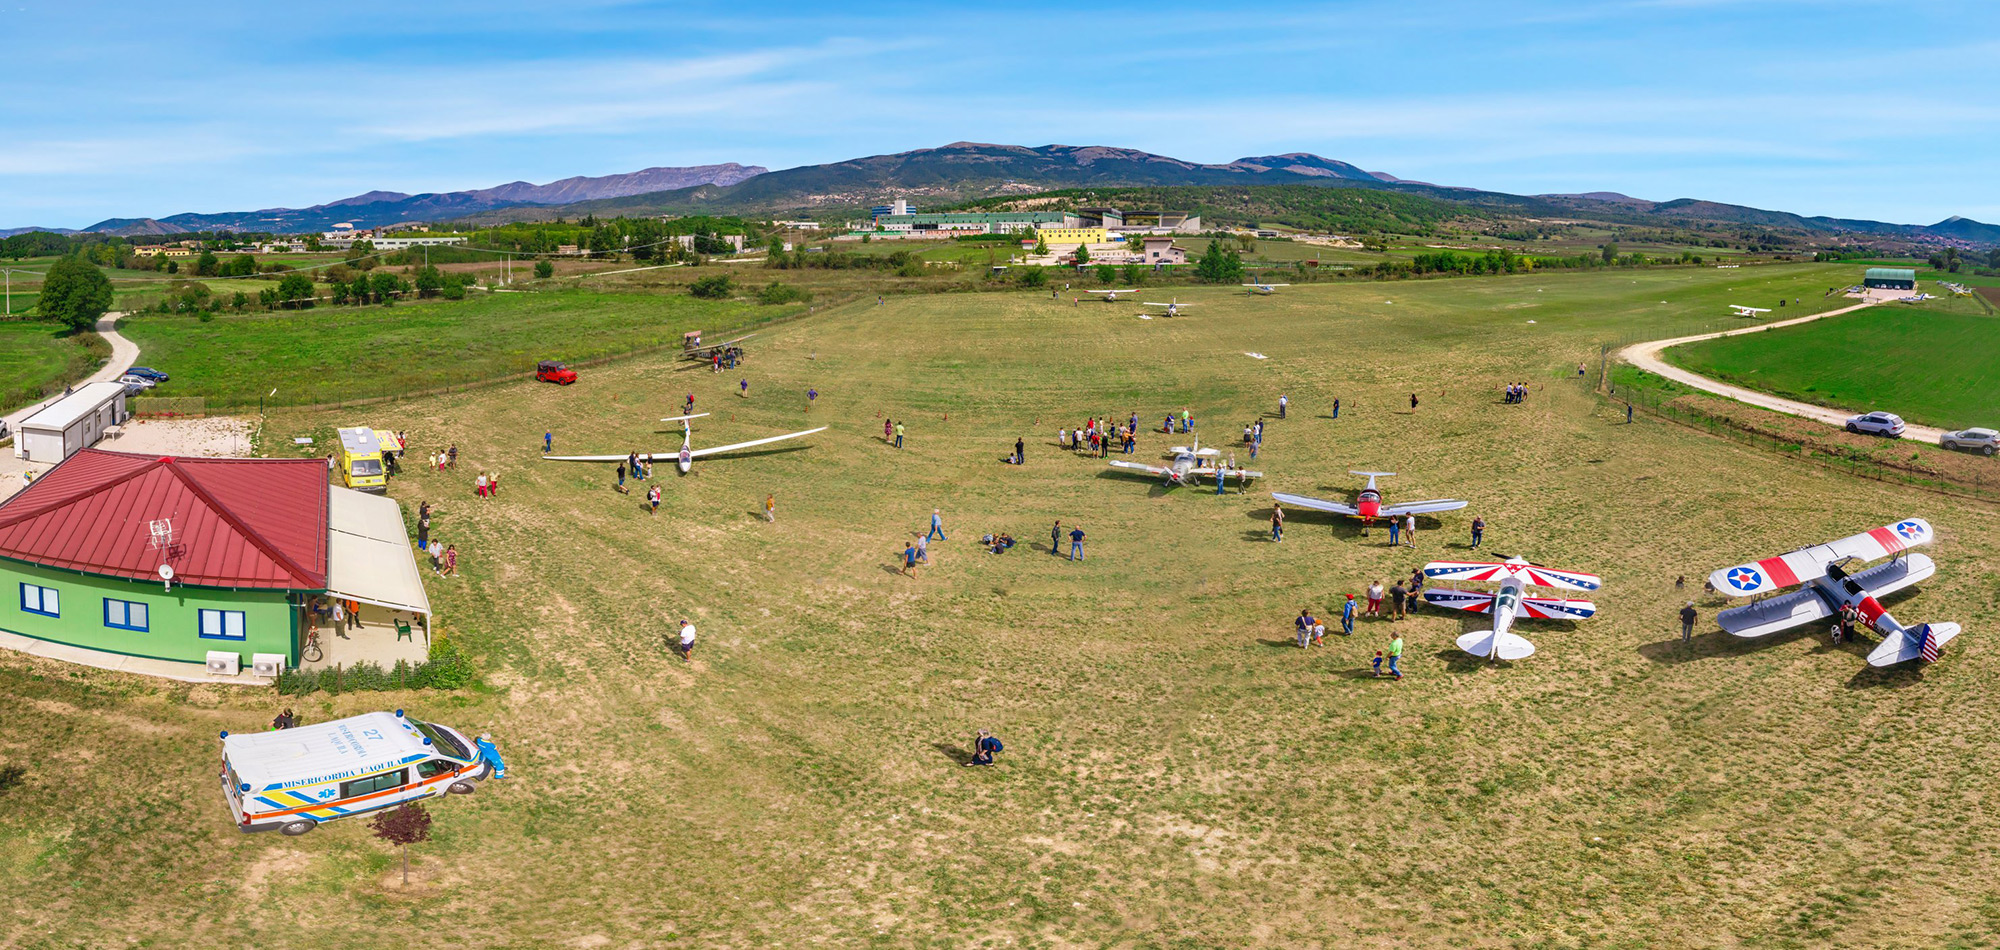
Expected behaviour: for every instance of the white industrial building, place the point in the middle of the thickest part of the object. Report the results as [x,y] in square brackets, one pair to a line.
[71,424]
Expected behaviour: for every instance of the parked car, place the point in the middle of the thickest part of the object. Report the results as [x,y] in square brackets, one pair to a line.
[1970,440]
[148,372]
[553,371]
[142,382]
[1877,423]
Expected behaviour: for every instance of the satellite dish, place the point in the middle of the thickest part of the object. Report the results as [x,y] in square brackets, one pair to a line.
[166,572]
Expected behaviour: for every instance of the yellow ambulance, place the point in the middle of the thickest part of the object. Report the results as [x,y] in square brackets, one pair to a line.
[361,465]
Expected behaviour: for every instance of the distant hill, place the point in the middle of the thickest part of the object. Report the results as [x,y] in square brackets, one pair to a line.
[962,172]
[378,208]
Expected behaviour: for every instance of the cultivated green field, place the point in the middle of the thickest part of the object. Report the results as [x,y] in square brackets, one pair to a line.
[1932,364]
[1177,774]
[327,354]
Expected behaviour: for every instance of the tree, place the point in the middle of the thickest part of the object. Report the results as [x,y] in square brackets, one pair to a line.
[296,290]
[1221,265]
[712,287]
[1106,273]
[75,293]
[402,826]
[1041,243]
[205,265]
[1993,257]
[1031,276]
[430,280]
[1610,252]
[385,285]
[545,269]
[242,265]
[1082,255]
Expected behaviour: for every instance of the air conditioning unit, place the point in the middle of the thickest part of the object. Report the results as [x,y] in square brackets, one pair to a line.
[267,665]
[221,663]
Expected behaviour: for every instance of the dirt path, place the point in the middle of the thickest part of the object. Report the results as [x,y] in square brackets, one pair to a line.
[124,353]
[1646,356]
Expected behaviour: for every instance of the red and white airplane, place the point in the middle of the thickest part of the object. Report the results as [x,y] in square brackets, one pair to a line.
[1514,576]
[1830,585]
[1368,503]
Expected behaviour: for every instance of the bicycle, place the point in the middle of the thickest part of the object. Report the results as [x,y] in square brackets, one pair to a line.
[311,653]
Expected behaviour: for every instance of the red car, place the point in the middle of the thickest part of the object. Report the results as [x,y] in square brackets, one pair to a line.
[553,371]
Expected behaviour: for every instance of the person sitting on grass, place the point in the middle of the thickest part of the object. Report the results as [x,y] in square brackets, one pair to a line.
[984,749]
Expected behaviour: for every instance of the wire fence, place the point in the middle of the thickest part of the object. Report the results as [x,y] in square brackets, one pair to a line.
[168,407]
[1963,475]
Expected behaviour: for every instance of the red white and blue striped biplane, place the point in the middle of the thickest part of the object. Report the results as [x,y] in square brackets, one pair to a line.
[1514,576]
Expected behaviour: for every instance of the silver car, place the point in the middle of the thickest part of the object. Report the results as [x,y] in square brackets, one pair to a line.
[1971,440]
[1877,423]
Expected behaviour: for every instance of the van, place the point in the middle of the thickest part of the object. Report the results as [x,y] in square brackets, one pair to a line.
[293,780]
[361,461]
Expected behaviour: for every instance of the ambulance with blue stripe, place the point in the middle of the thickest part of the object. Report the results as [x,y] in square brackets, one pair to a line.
[291,780]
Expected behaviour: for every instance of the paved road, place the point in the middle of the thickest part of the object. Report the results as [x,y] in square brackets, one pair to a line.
[1646,356]
[124,353]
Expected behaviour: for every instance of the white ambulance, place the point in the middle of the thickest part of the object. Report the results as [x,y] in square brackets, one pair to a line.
[291,780]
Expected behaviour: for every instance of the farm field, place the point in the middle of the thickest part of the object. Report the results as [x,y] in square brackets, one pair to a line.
[1177,773]
[1932,364]
[328,354]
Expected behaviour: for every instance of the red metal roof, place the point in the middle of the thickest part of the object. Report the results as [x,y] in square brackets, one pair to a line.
[237,522]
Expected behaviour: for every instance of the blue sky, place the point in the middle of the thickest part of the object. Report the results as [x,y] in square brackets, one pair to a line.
[1866,110]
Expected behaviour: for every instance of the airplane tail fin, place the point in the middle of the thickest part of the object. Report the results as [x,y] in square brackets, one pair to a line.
[1486,643]
[1925,642]
[1370,474]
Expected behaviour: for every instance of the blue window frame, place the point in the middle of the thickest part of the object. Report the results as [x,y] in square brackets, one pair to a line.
[126,615]
[221,624]
[36,599]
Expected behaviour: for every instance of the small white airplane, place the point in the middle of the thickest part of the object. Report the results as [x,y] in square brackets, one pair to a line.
[1830,585]
[1112,295]
[1186,466]
[1743,311]
[1265,290]
[1514,576]
[684,459]
[1368,503]
[1173,307]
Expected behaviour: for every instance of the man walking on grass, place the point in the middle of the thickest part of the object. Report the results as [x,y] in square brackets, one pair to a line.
[937,525]
[1347,617]
[1687,624]
[1397,594]
[1396,657]
[1478,531]
[1055,538]
[1410,531]
[899,435]
[1076,544]
[909,559]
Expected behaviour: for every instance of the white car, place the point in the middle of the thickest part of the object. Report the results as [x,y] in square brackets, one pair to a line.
[140,381]
[1877,423]
[1971,440]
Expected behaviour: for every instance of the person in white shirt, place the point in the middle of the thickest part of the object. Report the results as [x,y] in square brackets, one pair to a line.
[1410,531]
[687,640]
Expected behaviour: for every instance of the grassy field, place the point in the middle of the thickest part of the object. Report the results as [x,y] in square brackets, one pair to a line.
[327,354]
[37,359]
[1932,363]
[1177,774]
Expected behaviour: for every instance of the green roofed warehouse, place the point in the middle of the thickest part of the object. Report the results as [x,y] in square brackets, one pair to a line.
[1890,278]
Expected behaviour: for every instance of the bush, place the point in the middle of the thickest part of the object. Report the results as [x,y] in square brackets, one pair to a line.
[544,270]
[713,287]
[446,669]
[776,293]
[1031,277]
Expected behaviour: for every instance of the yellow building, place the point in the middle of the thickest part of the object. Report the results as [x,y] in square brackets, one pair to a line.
[1072,235]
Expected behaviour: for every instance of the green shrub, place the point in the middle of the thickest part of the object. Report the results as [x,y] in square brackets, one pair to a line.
[713,287]
[775,293]
[1031,277]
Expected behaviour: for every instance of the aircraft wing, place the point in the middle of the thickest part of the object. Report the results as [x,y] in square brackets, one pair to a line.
[1557,608]
[716,450]
[1227,472]
[1475,601]
[1808,564]
[1301,501]
[1423,507]
[1496,572]
[1773,614]
[1885,579]
[602,458]
[1138,467]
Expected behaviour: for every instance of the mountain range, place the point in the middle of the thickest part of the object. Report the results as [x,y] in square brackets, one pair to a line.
[378,208]
[968,171]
